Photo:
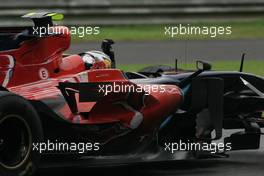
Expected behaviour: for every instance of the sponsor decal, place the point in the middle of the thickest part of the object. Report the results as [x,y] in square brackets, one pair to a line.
[43,73]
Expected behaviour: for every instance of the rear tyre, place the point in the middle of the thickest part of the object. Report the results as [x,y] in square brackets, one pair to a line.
[20,127]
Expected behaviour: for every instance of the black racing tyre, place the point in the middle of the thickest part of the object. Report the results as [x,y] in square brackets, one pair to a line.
[20,127]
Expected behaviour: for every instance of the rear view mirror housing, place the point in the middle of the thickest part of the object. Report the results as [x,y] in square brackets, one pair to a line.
[204,66]
[201,67]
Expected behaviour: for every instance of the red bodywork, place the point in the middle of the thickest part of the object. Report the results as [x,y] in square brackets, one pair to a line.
[35,69]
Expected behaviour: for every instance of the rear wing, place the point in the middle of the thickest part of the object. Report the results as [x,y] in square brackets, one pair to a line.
[44,18]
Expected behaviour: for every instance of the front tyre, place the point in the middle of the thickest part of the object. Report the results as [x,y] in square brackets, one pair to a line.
[20,127]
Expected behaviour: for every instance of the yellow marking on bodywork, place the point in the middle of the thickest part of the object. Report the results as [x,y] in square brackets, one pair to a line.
[30,14]
[56,16]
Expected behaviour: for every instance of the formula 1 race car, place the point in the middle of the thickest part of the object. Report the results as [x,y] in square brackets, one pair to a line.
[47,96]
[65,110]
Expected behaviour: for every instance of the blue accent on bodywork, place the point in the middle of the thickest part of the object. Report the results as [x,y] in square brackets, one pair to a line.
[165,122]
[185,90]
[168,119]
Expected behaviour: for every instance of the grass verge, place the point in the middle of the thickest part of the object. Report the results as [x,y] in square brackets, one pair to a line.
[240,30]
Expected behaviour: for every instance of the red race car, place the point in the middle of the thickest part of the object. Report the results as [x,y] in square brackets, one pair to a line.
[59,110]
[52,104]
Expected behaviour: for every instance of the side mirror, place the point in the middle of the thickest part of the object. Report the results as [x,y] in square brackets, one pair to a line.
[106,47]
[204,66]
[201,67]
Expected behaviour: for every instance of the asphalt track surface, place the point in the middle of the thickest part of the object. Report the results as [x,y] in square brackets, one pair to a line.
[240,163]
[249,163]
[164,52]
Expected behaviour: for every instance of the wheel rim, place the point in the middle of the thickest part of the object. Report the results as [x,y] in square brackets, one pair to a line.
[15,141]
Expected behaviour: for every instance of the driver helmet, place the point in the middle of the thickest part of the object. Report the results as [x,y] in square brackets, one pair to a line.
[96,60]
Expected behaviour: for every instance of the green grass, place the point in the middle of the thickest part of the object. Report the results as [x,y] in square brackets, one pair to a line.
[251,66]
[240,30]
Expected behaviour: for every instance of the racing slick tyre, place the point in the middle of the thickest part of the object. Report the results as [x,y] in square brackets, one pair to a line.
[20,127]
